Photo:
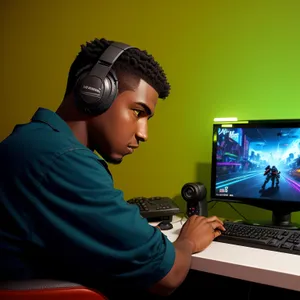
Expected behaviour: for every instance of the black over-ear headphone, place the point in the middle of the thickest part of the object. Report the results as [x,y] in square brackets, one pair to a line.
[96,90]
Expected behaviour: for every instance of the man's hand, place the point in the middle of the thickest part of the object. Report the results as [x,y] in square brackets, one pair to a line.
[201,231]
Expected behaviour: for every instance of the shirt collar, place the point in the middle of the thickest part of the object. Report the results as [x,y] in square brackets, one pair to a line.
[58,124]
[52,119]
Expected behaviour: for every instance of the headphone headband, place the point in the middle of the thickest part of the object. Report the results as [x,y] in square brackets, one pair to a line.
[108,58]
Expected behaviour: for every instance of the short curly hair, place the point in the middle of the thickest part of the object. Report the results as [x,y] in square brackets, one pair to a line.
[132,61]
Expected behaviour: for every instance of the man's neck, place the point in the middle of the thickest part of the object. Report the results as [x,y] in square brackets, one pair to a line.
[75,121]
[79,129]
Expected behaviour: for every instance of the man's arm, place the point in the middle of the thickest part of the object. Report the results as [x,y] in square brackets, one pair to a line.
[87,226]
[106,239]
[179,271]
[196,234]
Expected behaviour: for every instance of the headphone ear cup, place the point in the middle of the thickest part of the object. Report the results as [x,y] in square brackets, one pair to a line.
[94,96]
[109,93]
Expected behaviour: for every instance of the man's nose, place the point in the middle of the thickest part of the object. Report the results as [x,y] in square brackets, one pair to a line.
[142,132]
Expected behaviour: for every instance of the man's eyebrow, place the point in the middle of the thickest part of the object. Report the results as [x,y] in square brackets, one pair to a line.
[146,108]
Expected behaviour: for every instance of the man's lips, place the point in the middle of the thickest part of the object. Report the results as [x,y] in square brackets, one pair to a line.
[132,148]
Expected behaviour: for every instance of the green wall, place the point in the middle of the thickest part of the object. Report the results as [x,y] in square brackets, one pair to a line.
[223,58]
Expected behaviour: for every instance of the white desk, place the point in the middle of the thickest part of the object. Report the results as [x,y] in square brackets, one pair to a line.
[251,264]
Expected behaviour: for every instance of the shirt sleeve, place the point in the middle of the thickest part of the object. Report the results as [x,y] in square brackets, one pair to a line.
[91,231]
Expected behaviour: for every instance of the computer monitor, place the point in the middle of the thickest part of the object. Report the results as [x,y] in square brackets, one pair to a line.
[258,163]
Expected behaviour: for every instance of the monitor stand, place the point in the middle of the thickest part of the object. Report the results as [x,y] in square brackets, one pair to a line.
[279,220]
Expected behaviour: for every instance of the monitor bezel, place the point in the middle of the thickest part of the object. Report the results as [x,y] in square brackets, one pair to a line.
[274,205]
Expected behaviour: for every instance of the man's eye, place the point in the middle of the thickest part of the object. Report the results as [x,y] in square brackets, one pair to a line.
[137,112]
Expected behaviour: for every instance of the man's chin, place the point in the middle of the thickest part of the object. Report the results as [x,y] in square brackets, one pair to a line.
[113,160]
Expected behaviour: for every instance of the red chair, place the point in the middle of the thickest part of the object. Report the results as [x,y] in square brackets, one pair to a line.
[44,289]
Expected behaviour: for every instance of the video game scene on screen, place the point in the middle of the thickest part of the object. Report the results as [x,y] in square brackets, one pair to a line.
[259,163]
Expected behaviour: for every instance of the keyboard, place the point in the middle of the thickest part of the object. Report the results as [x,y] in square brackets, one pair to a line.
[268,238]
[156,208]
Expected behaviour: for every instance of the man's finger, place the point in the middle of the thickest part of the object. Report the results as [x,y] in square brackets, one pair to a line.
[213,219]
[216,225]
[217,233]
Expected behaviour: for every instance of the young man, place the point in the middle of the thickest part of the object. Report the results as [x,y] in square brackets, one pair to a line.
[61,216]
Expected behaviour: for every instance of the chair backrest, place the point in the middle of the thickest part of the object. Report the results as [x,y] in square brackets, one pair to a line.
[44,289]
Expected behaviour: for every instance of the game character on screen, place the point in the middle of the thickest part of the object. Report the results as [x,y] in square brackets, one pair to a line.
[271,174]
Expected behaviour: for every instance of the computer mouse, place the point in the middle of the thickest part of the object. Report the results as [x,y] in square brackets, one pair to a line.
[165,225]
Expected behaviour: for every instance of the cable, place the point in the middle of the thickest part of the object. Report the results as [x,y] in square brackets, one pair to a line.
[212,205]
[237,211]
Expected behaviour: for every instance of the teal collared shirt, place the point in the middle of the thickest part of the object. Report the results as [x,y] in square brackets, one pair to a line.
[61,216]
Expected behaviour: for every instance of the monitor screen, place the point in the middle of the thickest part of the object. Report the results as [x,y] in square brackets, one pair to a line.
[257,161]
